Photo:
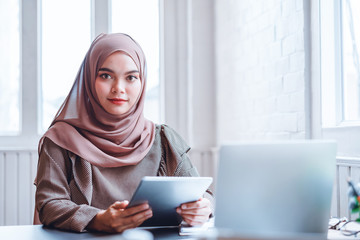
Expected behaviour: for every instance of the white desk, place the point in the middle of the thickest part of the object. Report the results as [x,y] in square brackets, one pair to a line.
[38,232]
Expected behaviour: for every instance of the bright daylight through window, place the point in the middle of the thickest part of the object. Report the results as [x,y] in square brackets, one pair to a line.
[350,56]
[64,45]
[10,68]
[340,65]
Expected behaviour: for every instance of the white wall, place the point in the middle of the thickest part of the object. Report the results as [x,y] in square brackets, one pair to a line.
[260,69]
[189,71]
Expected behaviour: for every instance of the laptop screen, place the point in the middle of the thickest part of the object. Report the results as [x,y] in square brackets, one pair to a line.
[278,189]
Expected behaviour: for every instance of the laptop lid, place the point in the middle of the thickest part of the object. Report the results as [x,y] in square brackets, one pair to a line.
[275,190]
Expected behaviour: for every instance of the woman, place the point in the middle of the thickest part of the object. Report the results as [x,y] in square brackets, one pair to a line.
[99,146]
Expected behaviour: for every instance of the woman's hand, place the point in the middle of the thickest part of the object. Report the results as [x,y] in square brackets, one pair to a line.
[118,218]
[195,213]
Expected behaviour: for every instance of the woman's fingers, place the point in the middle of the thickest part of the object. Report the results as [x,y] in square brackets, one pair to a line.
[194,220]
[118,218]
[201,203]
[200,207]
[134,210]
[137,219]
[120,205]
[129,217]
[195,213]
[206,211]
[132,221]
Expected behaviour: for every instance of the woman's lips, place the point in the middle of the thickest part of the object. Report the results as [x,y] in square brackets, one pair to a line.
[118,101]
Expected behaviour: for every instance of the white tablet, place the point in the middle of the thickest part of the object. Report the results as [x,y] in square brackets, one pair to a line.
[165,194]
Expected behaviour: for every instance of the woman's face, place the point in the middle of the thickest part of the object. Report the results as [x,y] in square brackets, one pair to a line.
[117,83]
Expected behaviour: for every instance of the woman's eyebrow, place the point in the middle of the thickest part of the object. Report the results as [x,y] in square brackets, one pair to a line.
[132,71]
[109,70]
[106,70]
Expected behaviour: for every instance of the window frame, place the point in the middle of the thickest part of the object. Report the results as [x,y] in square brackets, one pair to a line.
[332,10]
[342,131]
[29,81]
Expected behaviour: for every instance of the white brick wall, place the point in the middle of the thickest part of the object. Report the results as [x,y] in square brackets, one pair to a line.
[260,63]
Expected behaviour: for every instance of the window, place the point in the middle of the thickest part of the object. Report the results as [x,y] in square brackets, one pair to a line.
[350,26]
[124,14]
[40,64]
[10,68]
[63,47]
[340,66]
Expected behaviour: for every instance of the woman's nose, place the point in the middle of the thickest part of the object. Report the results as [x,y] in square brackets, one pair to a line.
[118,86]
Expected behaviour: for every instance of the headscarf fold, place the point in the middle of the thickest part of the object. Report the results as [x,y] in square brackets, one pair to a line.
[82,125]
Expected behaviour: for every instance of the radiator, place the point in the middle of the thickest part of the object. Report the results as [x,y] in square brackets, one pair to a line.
[17,192]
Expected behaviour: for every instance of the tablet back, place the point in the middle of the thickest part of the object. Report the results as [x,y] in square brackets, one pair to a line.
[165,194]
[276,190]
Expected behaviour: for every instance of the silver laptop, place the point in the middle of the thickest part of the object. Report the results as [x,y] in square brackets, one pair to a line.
[275,190]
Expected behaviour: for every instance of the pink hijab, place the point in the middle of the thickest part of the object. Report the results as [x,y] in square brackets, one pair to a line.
[83,127]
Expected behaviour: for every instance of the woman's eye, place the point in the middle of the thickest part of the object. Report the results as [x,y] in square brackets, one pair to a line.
[132,78]
[105,76]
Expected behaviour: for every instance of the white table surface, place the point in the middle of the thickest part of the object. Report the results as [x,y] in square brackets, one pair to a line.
[39,232]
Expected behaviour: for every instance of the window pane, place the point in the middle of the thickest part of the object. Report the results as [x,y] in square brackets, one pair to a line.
[10,67]
[350,57]
[128,17]
[328,51]
[66,29]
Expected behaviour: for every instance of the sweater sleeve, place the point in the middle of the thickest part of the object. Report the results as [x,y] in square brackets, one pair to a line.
[53,194]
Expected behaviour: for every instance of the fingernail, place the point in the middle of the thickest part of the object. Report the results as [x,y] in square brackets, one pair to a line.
[183,207]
